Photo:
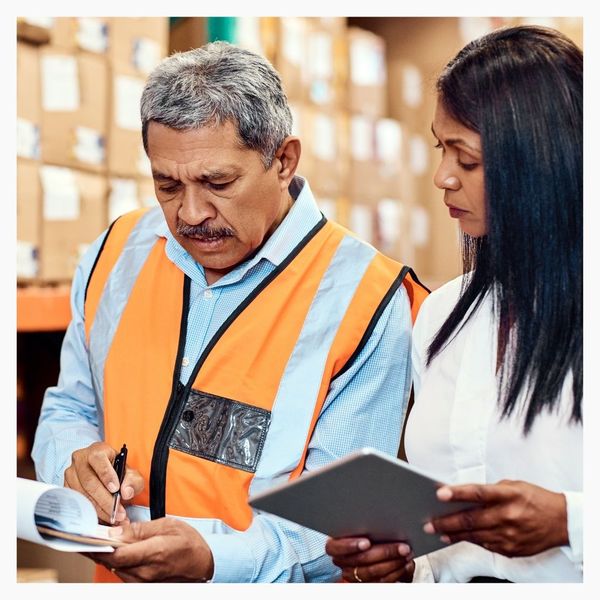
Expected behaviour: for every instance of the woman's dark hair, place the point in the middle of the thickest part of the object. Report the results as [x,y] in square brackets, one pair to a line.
[521,89]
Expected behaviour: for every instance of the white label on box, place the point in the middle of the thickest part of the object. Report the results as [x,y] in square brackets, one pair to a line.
[419,226]
[296,121]
[328,207]
[412,86]
[324,142]
[388,140]
[27,259]
[128,94]
[320,91]
[145,54]
[61,194]
[390,214]
[419,154]
[123,198]
[367,65]
[293,40]
[89,146]
[45,22]
[28,139]
[320,55]
[361,138]
[361,222]
[248,34]
[92,34]
[60,83]
[143,163]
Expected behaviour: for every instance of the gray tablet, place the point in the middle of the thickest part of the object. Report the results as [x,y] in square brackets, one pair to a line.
[366,493]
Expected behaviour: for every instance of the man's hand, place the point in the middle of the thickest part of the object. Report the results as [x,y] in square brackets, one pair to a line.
[363,562]
[165,549]
[92,474]
[515,518]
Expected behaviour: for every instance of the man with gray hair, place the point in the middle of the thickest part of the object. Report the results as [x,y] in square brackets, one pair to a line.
[232,337]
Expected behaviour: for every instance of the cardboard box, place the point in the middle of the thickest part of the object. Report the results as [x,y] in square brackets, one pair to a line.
[75,214]
[367,91]
[29,211]
[74,109]
[291,56]
[138,44]
[80,33]
[34,30]
[363,181]
[29,105]
[187,33]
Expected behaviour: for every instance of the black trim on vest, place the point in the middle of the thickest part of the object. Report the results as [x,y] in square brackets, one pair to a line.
[87,285]
[416,279]
[160,452]
[374,320]
[177,401]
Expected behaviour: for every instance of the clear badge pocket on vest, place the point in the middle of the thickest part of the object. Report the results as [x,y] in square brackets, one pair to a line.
[222,430]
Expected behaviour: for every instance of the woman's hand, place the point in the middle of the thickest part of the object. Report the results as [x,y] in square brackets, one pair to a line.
[515,518]
[363,562]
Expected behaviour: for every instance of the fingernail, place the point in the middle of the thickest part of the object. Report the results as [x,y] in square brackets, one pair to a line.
[364,545]
[128,492]
[403,549]
[445,539]
[428,528]
[112,487]
[115,531]
[444,493]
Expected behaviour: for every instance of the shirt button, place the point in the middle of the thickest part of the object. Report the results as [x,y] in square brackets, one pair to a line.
[208,294]
[185,361]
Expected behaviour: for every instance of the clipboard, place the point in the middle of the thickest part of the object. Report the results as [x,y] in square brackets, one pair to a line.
[366,493]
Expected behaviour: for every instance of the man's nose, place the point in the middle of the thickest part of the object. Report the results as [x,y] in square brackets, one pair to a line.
[196,206]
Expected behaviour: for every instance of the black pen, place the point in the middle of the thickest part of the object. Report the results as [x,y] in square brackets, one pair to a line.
[119,467]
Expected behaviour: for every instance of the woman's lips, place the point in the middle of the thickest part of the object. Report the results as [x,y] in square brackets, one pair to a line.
[456,213]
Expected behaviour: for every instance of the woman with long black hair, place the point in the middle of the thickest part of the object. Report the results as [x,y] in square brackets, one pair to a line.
[498,352]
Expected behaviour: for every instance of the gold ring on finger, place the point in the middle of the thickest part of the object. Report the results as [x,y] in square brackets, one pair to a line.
[356,577]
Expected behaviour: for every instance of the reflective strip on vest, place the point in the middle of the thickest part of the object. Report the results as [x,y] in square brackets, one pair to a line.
[120,282]
[290,420]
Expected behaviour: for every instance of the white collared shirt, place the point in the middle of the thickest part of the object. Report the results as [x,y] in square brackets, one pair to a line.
[455,431]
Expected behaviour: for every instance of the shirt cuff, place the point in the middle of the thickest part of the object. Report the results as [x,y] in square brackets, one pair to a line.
[232,558]
[575,526]
[423,572]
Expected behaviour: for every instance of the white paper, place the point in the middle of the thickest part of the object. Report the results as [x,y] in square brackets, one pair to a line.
[146,54]
[70,510]
[419,226]
[27,259]
[123,198]
[361,222]
[362,138]
[60,83]
[128,93]
[419,155]
[248,34]
[293,36]
[390,215]
[324,141]
[92,34]
[328,207]
[89,146]
[388,136]
[412,86]
[45,22]
[320,55]
[367,64]
[143,163]
[61,194]
[28,139]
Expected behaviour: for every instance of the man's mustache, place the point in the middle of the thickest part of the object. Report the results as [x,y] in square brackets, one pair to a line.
[202,231]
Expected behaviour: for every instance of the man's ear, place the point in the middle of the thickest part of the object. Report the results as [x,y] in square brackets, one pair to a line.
[287,157]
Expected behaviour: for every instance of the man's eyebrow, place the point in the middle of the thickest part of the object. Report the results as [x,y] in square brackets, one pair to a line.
[216,174]
[456,141]
[158,176]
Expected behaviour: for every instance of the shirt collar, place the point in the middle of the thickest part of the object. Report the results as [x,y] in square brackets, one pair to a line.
[301,218]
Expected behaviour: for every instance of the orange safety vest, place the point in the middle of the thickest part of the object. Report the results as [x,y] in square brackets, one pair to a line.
[136,340]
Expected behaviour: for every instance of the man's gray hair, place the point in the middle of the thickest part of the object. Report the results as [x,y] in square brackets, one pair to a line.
[214,84]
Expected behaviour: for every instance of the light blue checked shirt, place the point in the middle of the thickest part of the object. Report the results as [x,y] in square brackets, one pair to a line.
[365,406]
